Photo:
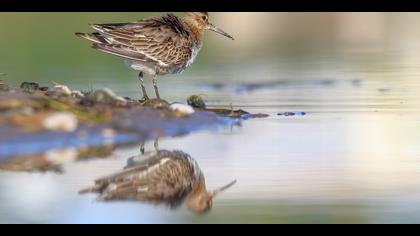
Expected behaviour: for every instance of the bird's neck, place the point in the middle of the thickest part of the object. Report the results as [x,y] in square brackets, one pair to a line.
[199,189]
[196,31]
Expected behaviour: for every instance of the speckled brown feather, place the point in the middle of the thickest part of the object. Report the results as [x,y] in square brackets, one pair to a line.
[165,40]
[167,177]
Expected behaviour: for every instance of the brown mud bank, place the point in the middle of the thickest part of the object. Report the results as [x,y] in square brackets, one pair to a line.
[35,119]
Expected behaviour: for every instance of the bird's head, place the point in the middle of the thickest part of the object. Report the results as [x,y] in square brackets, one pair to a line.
[199,21]
[201,201]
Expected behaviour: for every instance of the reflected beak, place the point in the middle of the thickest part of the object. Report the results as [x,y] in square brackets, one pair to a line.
[219,31]
[217,191]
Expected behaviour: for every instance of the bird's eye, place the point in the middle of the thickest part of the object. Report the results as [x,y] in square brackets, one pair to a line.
[204,17]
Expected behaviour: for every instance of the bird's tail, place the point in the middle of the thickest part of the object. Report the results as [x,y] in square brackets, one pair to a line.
[93,37]
[93,189]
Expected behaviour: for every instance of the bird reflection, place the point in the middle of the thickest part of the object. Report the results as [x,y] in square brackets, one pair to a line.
[164,177]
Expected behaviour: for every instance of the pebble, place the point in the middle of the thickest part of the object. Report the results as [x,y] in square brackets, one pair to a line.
[61,121]
[61,89]
[196,101]
[61,156]
[292,114]
[182,108]
[105,96]
[29,86]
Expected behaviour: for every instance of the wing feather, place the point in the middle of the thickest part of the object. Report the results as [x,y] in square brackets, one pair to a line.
[165,177]
[164,40]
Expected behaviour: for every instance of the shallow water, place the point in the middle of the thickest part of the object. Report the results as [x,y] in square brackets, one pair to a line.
[352,158]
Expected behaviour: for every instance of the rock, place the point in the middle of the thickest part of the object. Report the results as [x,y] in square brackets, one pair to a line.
[182,109]
[43,89]
[77,94]
[29,86]
[61,156]
[61,89]
[292,114]
[61,121]
[196,101]
[157,104]
[3,86]
[104,96]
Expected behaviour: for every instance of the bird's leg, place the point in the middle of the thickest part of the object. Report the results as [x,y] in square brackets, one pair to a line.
[142,148]
[156,144]
[143,89]
[156,88]
[232,111]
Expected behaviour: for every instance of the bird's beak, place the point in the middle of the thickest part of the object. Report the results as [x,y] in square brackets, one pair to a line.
[219,31]
[219,190]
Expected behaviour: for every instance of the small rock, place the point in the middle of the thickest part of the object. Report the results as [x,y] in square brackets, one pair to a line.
[77,94]
[43,89]
[108,133]
[182,108]
[61,89]
[157,104]
[29,86]
[61,121]
[253,116]
[105,96]
[3,86]
[196,101]
[292,114]
[61,156]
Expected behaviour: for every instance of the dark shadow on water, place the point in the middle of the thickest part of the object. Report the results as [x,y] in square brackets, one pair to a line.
[160,177]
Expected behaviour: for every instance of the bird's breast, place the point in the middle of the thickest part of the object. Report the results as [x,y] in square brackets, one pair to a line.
[181,67]
[194,53]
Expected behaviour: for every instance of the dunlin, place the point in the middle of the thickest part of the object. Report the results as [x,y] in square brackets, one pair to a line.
[170,177]
[156,45]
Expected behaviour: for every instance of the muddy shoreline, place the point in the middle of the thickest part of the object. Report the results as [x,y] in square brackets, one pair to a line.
[35,118]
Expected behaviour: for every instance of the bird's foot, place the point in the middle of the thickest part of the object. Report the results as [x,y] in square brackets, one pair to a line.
[144,99]
[157,104]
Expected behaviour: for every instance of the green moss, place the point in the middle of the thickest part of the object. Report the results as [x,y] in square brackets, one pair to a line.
[196,101]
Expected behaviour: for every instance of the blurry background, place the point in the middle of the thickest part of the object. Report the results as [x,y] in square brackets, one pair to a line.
[43,47]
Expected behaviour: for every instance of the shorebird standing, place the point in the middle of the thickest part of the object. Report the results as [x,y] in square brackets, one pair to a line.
[156,45]
[169,177]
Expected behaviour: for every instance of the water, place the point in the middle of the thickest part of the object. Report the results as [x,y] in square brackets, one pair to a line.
[352,158]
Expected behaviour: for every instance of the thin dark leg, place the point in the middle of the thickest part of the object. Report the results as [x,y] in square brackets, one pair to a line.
[142,148]
[157,144]
[156,88]
[143,89]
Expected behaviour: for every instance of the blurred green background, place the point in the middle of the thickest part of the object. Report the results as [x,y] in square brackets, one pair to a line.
[43,47]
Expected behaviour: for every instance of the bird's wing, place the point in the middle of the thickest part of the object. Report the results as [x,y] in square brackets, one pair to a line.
[130,172]
[162,40]
[160,178]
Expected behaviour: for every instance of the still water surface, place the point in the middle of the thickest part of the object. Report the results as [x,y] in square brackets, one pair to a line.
[353,158]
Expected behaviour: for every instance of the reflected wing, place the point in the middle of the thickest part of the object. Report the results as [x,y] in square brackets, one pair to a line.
[167,176]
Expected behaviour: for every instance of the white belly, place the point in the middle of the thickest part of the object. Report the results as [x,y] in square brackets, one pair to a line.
[194,54]
[139,66]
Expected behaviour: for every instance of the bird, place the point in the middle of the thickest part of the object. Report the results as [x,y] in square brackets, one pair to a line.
[164,177]
[156,45]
